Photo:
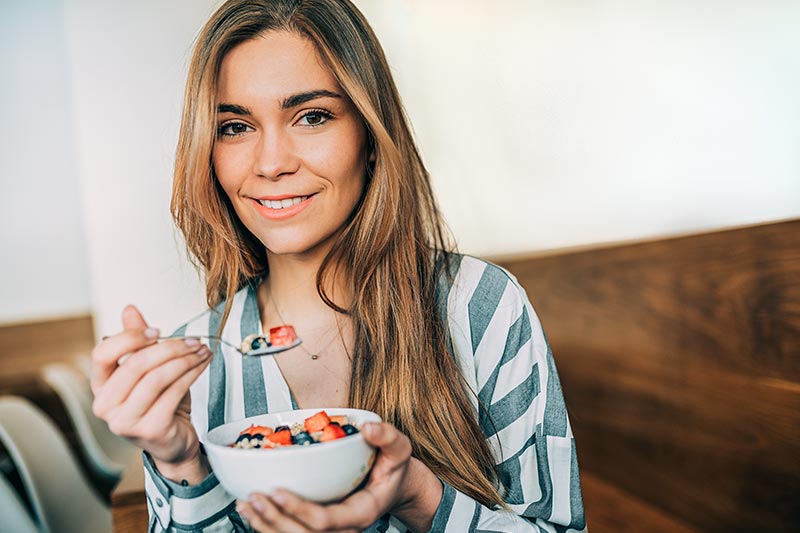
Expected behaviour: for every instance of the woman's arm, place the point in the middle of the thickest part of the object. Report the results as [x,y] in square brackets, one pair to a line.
[502,348]
[187,496]
[175,506]
[146,399]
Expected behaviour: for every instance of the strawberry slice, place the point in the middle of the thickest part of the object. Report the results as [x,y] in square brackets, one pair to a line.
[282,438]
[332,432]
[317,422]
[256,430]
[282,335]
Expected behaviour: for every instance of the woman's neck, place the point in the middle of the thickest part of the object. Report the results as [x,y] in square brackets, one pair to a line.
[291,287]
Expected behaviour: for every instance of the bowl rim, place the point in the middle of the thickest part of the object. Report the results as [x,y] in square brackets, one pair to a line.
[224,448]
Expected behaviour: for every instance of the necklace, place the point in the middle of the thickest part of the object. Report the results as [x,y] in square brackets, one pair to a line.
[313,355]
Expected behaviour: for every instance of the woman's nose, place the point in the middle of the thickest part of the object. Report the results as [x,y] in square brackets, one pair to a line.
[275,156]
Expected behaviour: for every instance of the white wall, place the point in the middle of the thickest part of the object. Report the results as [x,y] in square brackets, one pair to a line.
[556,123]
[129,61]
[544,124]
[43,267]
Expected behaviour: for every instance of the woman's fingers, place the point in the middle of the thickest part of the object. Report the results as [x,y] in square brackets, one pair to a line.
[164,408]
[350,515]
[265,517]
[147,390]
[119,385]
[106,355]
[394,447]
[132,318]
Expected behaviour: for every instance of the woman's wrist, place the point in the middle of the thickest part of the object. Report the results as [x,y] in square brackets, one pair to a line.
[190,471]
[421,497]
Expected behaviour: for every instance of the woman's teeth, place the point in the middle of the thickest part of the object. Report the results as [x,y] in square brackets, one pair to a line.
[286,202]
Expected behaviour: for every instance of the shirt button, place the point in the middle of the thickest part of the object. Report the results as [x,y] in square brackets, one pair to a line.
[159,502]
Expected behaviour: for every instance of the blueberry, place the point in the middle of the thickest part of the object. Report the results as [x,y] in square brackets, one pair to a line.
[282,428]
[257,436]
[349,429]
[302,438]
[243,437]
[256,344]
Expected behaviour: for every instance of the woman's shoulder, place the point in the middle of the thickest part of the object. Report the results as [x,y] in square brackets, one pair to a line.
[476,294]
[489,317]
[468,277]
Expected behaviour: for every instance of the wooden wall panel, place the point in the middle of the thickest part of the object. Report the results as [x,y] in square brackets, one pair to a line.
[26,347]
[680,362]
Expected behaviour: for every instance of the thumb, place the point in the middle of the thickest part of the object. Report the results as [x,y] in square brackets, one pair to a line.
[392,443]
[132,318]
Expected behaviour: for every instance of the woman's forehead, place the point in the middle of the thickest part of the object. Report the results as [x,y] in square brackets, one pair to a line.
[271,67]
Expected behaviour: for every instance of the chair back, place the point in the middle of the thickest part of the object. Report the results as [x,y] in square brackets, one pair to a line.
[106,453]
[15,517]
[61,497]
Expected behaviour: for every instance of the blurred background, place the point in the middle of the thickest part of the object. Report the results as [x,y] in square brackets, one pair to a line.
[546,125]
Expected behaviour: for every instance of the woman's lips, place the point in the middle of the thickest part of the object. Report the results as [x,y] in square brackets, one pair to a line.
[281,207]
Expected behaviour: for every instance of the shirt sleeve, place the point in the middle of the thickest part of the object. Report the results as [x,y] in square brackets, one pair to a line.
[173,507]
[500,341]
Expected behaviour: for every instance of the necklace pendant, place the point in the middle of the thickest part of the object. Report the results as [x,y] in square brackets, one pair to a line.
[314,356]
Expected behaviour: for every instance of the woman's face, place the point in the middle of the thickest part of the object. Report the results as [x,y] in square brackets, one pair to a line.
[291,147]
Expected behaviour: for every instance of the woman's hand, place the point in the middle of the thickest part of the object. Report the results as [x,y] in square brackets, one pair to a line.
[141,389]
[398,484]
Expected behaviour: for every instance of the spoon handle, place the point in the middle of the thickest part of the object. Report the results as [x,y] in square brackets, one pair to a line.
[258,352]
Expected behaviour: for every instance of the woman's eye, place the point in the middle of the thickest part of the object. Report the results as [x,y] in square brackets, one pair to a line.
[314,118]
[232,129]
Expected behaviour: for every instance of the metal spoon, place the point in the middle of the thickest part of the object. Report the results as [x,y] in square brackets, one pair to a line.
[258,345]
[252,345]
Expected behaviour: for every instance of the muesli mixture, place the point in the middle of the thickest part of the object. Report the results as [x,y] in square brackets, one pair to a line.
[315,429]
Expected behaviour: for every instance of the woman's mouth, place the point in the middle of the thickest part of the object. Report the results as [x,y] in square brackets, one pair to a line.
[282,208]
[284,203]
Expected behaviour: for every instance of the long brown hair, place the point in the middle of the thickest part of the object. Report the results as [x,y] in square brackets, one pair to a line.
[391,252]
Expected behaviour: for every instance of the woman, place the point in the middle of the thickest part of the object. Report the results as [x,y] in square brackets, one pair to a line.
[303,198]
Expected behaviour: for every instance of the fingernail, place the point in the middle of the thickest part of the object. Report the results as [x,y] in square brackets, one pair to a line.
[151,333]
[204,352]
[191,341]
[370,429]
[278,497]
[257,503]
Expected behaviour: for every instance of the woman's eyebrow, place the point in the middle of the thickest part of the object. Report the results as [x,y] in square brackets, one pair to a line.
[233,108]
[287,103]
[301,98]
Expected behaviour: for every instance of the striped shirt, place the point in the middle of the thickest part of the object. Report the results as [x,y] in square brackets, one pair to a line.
[506,360]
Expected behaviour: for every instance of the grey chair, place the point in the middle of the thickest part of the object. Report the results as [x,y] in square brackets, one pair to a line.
[106,453]
[15,517]
[61,497]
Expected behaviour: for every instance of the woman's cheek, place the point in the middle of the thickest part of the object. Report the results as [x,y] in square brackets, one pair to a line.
[227,167]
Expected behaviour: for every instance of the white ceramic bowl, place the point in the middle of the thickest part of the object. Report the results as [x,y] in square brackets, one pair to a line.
[321,472]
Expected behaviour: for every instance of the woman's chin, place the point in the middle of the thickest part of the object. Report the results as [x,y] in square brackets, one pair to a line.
[300,245]
[297,249]
[286,250]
